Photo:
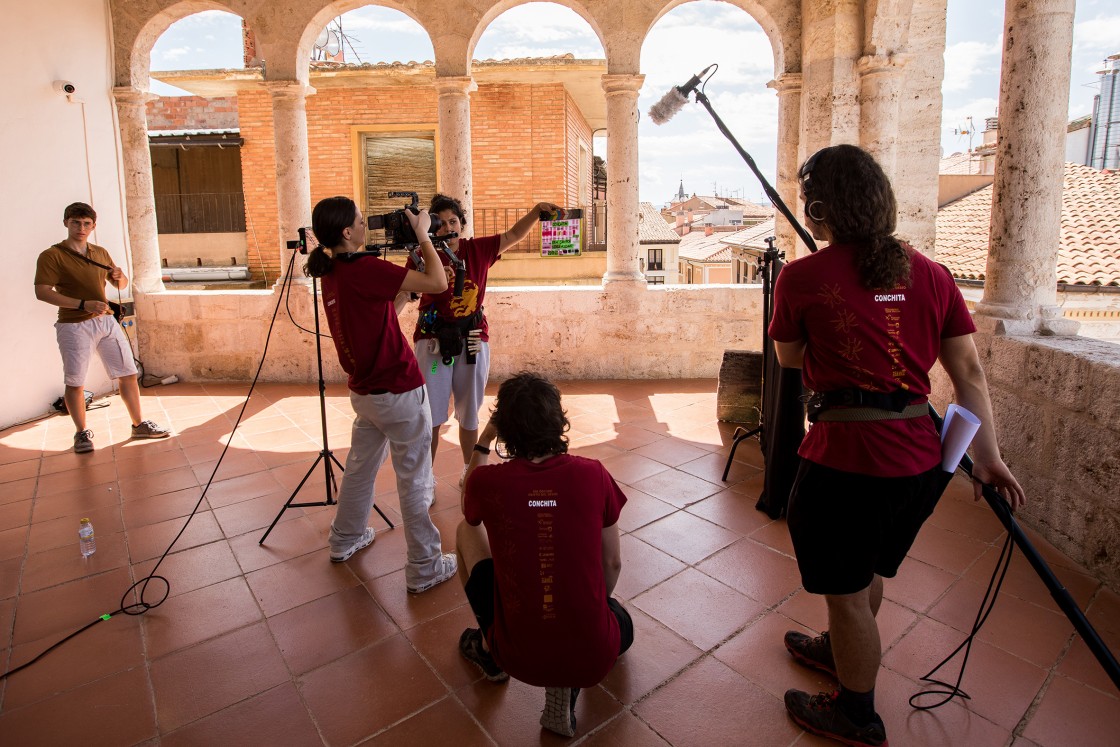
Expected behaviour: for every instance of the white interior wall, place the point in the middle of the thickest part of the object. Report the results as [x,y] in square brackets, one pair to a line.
[53,152]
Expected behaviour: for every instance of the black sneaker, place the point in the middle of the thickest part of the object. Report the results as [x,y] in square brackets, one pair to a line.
[83,441]
[820,715]
[559,715]
[812,652]
[470,646]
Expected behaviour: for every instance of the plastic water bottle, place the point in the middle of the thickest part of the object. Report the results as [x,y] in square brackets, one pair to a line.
[86,539]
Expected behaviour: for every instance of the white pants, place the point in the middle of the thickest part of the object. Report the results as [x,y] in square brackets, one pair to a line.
[466,381]
[399,424]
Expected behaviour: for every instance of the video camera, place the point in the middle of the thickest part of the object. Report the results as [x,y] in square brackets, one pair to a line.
[398,231]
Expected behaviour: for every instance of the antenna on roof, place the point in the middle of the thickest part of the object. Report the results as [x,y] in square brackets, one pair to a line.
[331,43]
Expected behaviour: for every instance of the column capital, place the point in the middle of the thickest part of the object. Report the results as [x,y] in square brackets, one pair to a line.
[288,90]
[880,64]
[786,83]
[129,96]
[622,83]
[455,85]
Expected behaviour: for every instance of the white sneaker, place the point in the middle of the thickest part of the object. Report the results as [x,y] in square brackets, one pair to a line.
[365,540]
[450,566]
[463,477]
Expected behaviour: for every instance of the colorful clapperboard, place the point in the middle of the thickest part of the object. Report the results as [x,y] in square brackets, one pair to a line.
[560,233]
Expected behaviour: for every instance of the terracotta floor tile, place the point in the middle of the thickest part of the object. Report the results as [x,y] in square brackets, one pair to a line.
[630,468]
[276,716]
[77,478]
[437,640]
[160,508]
[946,550]
[775,535]
[149,463]
[127,696]
[974,520]
[731,708]
[388,553]
[677,488]
[63,531]
[384,683]
[16,471]
[698,608]
[15,542]
[731,510]
[625,729]
[74,503]
[193,568]
[950,724]
[236,489]
[158,484]
[203,679]
[190,618]
[510,712]
[153,540]
[255,514]
[59,610]
[655,657]
[710,468]
[109,647]
[759,654]
[806,609]
[288,539]
[1071,713]
[755,570]
[643,566]
[297,581]
[1041,642]
[671,452]
[917,585]
[1024,582]
[686,537]
[63,564]
[641,509]
[1081,665]
[7,614]
[19,490]
[409,610]
[446,722]
[1002,686]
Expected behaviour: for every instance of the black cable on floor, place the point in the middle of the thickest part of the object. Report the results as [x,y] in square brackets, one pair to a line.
[986,606]
[142,606]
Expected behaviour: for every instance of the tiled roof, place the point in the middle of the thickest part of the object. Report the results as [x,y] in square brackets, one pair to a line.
[652,228]
[958,163]
[700,248]
[1089,250]
[754,237]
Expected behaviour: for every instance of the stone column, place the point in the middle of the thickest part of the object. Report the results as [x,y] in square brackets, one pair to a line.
[1020,292]
[455,175]
[622,178]
[293,173]
[880,85]
[788,87]
[146,273]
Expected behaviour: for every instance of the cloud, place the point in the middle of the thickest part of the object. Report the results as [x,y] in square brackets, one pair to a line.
[968,61]
[538,30]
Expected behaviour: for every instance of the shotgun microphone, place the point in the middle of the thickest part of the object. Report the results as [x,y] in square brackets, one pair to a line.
[673,101]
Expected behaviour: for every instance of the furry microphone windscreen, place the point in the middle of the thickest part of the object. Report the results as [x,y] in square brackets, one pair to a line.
[668,106]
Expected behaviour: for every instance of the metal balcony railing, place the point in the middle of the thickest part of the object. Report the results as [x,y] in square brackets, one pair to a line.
[490,220]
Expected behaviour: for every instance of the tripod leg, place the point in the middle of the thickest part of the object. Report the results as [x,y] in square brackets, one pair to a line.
[295,492]
[739,437]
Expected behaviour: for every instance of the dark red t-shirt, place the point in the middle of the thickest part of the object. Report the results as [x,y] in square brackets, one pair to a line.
[876,340]
[552,626]
[479,255]
[358,301]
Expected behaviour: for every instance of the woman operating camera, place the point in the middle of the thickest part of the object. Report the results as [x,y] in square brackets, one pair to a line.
[386,389]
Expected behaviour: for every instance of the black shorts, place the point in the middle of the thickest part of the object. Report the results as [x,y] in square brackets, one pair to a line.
[480,594]
[846,527]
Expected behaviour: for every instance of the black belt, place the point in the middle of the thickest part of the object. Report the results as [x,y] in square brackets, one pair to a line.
[871,405]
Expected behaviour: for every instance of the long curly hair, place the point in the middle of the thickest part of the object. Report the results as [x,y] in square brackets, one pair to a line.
[529,417]
[329,219]
[848,193]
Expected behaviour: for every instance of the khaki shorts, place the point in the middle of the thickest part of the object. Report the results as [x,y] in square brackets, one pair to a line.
[77,340]
[465,382]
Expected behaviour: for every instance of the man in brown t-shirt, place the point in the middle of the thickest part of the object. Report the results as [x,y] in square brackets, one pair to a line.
[72,275]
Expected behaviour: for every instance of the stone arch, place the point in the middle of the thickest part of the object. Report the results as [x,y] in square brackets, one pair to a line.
[135,34]
[780,21]
[502,6]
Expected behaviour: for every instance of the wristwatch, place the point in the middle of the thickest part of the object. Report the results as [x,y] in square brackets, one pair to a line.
[481,449]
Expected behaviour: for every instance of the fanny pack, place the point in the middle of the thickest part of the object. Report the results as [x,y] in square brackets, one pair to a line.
[450,334]
[860,405]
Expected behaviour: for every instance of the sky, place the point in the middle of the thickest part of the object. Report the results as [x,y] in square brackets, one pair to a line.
[689,148]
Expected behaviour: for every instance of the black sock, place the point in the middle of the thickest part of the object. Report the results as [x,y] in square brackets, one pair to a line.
[859,707]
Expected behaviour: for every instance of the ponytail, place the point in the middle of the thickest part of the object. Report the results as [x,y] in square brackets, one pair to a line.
[319,263]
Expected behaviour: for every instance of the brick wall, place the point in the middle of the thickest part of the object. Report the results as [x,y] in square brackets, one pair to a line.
[522,147]
[192,113]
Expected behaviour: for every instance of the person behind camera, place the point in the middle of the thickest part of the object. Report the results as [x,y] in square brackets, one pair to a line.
[865,319]
[539,553]
[387,392]
[72,275]
[452,335]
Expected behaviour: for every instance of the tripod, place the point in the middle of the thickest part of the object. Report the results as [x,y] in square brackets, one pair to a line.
[325,455]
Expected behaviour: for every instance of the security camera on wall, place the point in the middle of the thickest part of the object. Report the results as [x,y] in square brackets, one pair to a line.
[65,87]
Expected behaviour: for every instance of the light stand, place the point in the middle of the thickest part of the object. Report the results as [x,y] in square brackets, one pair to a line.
[325,455]
[781,417]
